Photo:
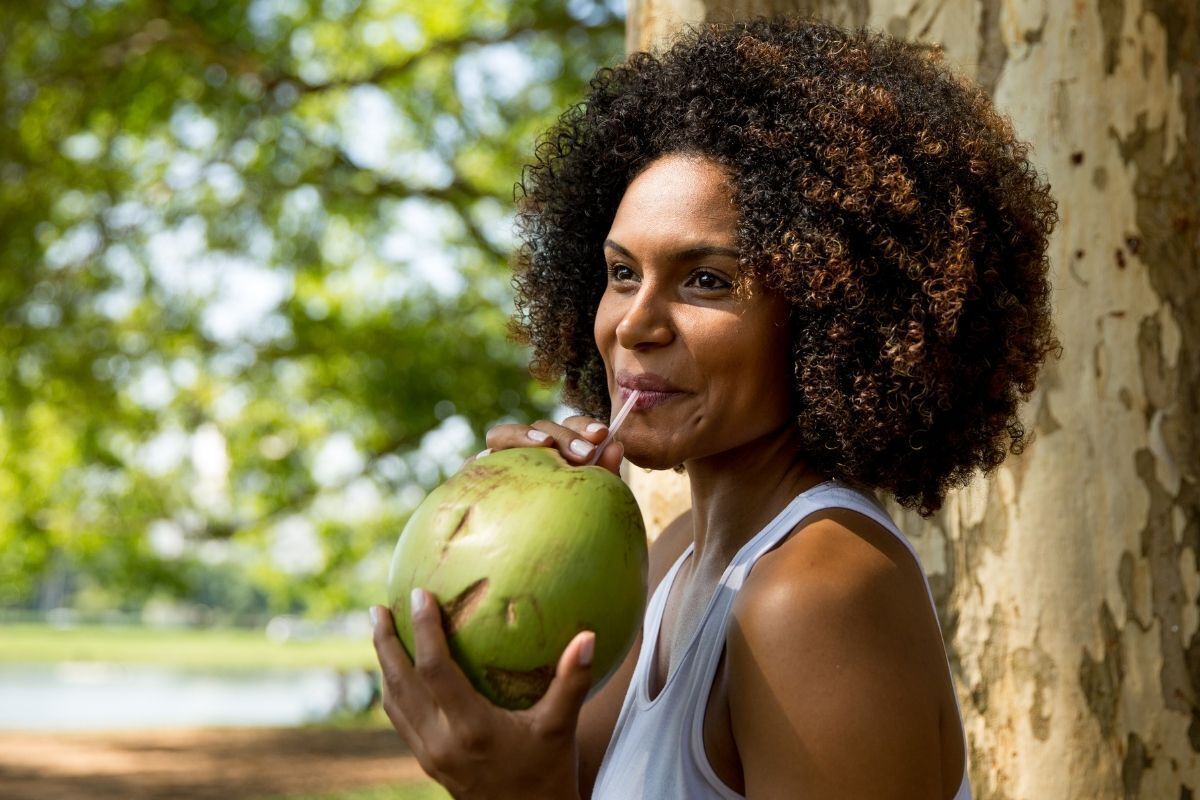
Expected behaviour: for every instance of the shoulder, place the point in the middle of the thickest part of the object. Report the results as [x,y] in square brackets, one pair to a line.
[833,664]
[839,580]
[836,555]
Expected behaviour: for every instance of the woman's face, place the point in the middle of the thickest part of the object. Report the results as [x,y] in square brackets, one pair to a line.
[717,366]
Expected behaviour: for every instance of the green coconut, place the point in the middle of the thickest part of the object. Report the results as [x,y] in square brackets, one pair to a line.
[522,551]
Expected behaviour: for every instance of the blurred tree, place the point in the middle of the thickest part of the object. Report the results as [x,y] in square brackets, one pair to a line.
[253,279]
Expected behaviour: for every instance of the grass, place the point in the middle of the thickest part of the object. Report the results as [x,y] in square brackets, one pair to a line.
[228,648]
[405,791]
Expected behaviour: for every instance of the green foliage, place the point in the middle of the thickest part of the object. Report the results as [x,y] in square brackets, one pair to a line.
[254,252]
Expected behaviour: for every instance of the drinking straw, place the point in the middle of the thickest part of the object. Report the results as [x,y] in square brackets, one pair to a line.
[616,423]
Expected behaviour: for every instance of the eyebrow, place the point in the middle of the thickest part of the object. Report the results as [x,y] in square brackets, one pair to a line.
[681,255]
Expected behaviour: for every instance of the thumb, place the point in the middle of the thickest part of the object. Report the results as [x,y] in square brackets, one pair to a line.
[559,708]
[610,459]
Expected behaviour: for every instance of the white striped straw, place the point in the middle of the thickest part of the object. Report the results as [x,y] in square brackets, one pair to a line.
[616,423]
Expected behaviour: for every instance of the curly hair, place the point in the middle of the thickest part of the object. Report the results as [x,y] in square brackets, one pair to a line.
[878,192]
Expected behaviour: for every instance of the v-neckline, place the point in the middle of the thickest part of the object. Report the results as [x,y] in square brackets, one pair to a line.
[652,667]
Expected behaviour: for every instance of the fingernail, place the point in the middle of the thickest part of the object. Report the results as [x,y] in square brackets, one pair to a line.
[595,427]
[373,613]
[581,448]
[586,650]
[538,436]
[483,453]
[417,601]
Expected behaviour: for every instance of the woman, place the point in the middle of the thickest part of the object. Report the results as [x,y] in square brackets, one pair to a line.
[821,256]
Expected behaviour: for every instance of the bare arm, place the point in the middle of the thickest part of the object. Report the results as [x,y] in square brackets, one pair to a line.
[598,718]
[831,695]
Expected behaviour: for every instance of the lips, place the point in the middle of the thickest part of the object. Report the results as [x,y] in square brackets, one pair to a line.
[653,390]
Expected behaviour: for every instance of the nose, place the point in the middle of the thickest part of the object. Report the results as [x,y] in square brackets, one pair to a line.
[646,320]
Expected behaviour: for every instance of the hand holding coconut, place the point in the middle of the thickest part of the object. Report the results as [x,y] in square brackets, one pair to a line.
[576,439]
[472,747]
[527,555]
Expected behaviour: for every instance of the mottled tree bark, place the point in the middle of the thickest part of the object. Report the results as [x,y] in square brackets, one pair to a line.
[1068,582]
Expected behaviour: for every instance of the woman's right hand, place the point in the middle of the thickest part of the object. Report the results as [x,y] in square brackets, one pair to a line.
[576,439]
[473,748]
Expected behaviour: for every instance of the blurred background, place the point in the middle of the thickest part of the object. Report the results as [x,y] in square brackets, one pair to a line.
[254,287]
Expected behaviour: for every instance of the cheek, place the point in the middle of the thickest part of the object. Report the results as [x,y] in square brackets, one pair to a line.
[758,362]
[604,329]
[775,365]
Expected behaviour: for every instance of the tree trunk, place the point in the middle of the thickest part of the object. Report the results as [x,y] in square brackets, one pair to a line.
[1067,582]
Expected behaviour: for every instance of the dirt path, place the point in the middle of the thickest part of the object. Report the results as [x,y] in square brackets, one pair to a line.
[221,764]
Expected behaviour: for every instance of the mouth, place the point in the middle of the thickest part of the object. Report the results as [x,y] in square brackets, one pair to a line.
[648,399]
[653,390]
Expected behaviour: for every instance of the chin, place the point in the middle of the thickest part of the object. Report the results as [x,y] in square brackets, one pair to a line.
[649,460]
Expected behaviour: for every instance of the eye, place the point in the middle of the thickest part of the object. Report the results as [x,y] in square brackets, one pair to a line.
[619,272]
[709,280]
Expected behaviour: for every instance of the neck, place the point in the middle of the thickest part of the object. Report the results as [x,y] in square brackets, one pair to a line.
[735,493]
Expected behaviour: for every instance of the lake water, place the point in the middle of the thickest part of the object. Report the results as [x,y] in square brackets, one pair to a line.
[90,696]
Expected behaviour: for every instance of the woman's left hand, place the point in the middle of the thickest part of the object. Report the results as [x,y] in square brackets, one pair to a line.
[464,742]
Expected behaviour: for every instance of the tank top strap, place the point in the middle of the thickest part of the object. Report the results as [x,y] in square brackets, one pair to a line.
[658,602]
[652,621]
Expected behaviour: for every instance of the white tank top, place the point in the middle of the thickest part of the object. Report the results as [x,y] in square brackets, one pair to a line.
[657,748]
